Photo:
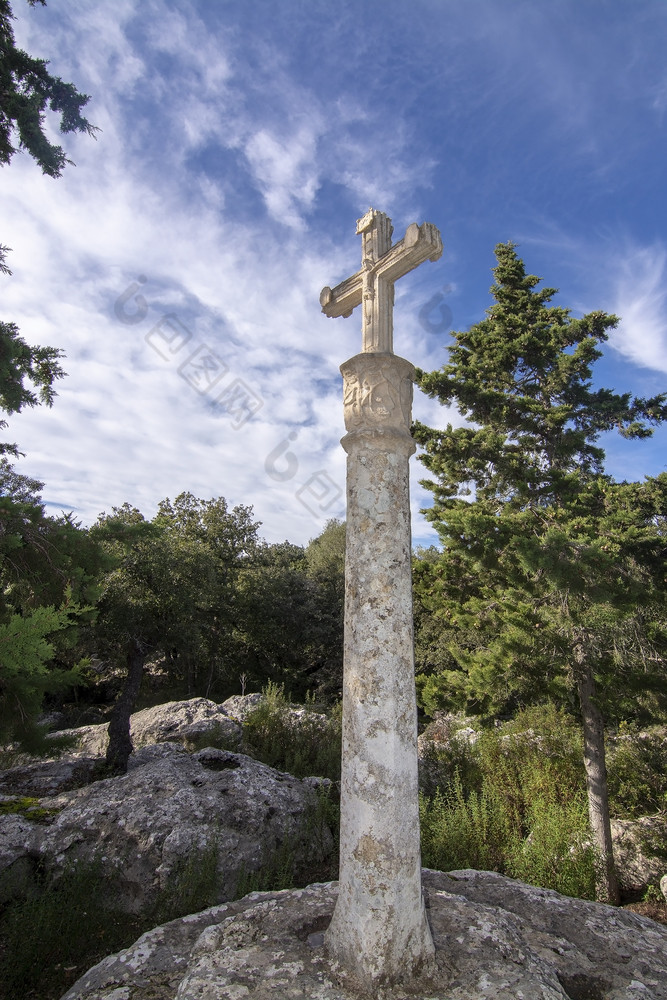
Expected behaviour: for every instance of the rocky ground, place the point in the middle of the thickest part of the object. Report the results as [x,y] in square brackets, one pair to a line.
[495,938]
[169,808]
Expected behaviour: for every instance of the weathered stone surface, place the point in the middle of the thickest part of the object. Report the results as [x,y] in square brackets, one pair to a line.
[170,805]
[182,722]
[239,705]
[495,939]
[47,777]
[640,851]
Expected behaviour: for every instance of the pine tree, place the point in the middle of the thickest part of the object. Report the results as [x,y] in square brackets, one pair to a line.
[549,566]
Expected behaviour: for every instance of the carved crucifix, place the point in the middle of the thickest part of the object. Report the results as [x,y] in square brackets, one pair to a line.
[372,286]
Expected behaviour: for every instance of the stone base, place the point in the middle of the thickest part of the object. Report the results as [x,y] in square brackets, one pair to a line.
[494,938]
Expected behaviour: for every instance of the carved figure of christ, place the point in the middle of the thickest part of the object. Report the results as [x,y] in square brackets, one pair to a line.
[372,286]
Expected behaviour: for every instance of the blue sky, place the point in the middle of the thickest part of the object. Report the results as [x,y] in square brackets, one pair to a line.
[179,263]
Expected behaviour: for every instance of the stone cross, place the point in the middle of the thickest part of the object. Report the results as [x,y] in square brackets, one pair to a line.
[381,265]
[379,933]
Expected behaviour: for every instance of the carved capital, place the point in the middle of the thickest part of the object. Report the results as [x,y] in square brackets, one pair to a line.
[377,395]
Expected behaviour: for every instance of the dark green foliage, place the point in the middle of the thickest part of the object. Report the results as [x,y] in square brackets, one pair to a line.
[551,581]
[276,873]
[27,673]
[27,91]
[64,925]
[219,608]
[193,885]
[174,587]
[27,374]
[48,574]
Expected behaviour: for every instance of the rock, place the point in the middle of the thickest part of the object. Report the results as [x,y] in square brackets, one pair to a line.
[495,938]
[640,851]
[663,886]
[239,705]
[47,777]
[443,731]
[147,824]
[185,722]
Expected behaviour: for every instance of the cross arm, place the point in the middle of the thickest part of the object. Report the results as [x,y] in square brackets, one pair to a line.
[420,243]
[341,300]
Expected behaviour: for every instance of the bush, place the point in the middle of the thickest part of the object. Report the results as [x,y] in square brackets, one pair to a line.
[514,802]
[303,745]
[464,832]
[49,939]
[637,771]
[556,853]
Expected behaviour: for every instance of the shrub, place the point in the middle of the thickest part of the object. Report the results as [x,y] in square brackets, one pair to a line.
[303,745]
[637,771]
[556,853]
[514,802]
[464,832]
[61,930]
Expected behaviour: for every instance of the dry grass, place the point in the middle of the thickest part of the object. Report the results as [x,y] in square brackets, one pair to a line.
[656,911]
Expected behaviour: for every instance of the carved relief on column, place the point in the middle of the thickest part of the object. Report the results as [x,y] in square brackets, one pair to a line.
[377,397]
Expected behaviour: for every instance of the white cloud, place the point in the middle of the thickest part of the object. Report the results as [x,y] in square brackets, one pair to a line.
[285,171]
[641,302]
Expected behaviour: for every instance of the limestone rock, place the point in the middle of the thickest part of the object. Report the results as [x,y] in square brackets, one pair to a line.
[185,722]
[640,851]
[663,886]
[182,722]
[445,730]
[171,804]
[47,777]
[240,705]
[496,939]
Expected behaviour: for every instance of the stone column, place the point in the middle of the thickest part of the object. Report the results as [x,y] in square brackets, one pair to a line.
[379,931]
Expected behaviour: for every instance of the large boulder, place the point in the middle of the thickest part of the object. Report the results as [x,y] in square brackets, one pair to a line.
[640,852]
[239,706]
[187,722]
[496,939]
[169,809]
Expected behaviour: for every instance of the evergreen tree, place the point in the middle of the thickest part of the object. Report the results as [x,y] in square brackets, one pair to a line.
[27,90]
[546,560]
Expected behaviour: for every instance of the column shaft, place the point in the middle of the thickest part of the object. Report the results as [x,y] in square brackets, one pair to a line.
[379,931]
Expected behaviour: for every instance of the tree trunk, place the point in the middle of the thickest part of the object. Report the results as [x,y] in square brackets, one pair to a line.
[606,883]
[120,742]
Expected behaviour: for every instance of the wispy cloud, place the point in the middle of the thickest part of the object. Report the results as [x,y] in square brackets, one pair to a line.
[641,301]
[235,155]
